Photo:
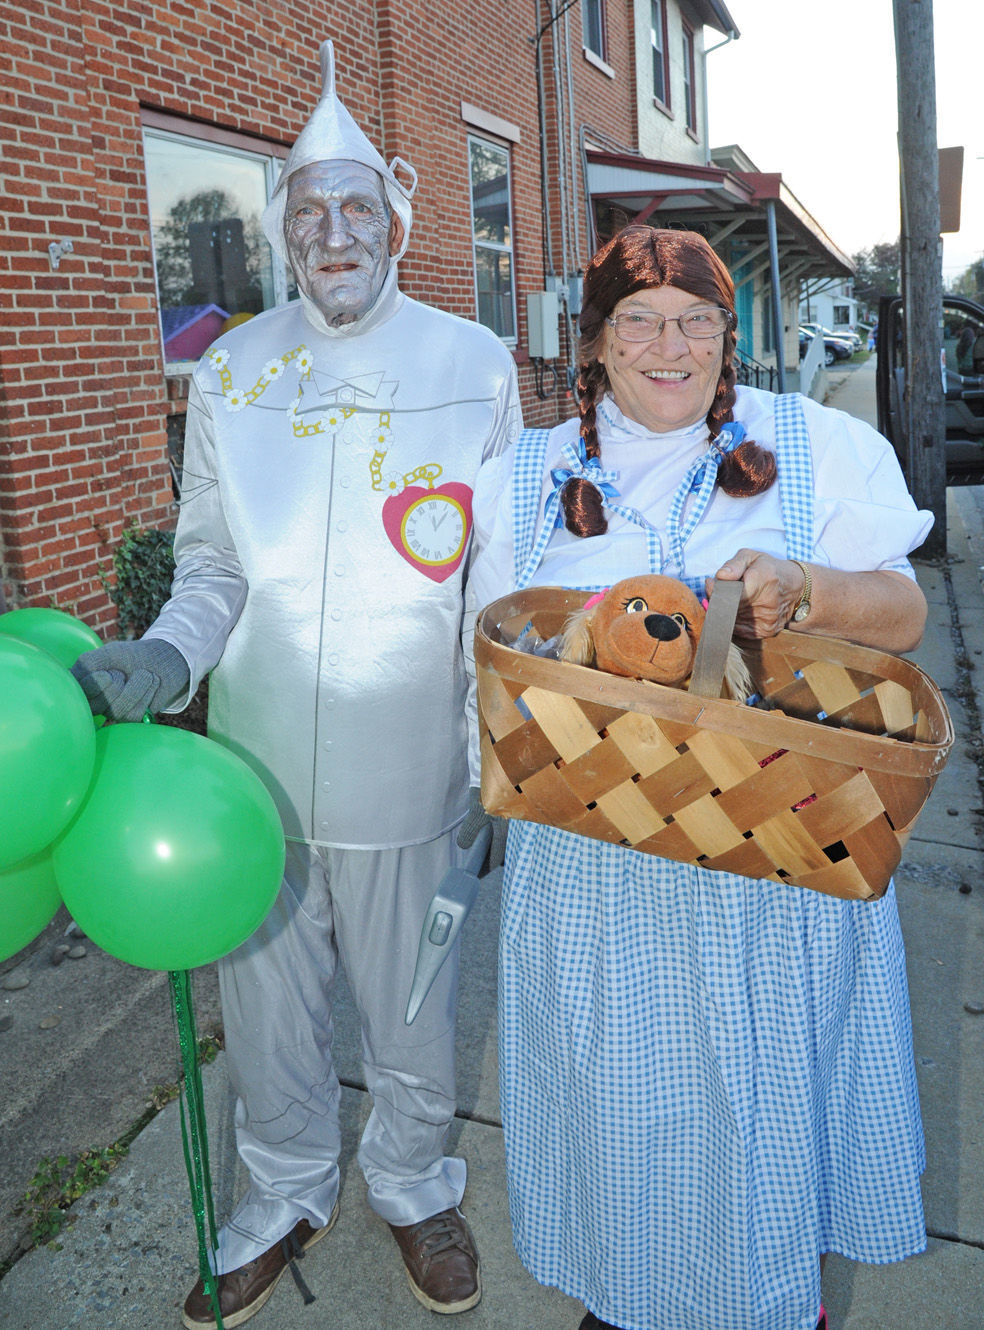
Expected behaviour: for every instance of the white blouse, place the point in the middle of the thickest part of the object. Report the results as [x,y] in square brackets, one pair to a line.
[864,517]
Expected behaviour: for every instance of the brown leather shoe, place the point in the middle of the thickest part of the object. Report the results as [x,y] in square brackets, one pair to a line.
[244,1291]
[441,1260]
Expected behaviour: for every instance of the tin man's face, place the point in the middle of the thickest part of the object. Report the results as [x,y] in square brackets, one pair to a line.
[340,234]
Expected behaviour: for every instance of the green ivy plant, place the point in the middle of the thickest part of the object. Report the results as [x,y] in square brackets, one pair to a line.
[59,1182]
[144,566]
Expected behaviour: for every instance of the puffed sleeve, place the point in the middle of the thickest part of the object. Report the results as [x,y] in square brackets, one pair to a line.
[865,518]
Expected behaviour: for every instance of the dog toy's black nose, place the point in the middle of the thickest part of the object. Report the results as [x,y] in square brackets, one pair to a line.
[662,627]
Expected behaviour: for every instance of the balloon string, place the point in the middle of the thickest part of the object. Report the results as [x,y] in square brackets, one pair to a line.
[194,1136]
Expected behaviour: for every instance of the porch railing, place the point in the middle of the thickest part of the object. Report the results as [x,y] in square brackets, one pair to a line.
[755,375]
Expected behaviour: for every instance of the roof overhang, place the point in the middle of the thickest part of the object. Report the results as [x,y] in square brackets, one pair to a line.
[723,205]
[714,15]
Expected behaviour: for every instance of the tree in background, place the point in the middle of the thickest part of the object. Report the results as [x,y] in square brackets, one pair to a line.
[191,266]
[877,273]
[970,283]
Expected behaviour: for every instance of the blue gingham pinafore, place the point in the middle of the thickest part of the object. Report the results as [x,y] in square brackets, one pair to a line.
[706,1081]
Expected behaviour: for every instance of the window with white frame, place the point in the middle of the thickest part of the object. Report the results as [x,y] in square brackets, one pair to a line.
[207,189]
[657,38]
[593,26]
[689,79]
[491,205]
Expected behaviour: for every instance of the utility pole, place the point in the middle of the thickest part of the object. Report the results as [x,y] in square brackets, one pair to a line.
[922,273]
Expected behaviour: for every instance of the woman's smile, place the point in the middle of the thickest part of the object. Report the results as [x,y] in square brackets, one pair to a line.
[668,383]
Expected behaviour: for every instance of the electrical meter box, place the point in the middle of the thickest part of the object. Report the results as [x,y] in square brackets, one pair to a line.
[575,294]
[542,313]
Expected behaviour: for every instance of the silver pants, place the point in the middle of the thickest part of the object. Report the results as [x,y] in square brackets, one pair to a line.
[363,908]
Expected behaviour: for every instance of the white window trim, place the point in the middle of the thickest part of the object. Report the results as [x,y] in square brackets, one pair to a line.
[491,124]
[598,63]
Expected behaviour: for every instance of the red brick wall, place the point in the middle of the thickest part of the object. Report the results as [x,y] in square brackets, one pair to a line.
[82,453]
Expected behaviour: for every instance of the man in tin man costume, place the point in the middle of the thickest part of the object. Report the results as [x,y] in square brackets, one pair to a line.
[321,553]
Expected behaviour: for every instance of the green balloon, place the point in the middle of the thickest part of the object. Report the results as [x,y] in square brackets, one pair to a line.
[29,900]
[178,853]
[54,631]
[47,749]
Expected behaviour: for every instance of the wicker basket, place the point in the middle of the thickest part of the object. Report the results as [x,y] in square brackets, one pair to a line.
[818,786]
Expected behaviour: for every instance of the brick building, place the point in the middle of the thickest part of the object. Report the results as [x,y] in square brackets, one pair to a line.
[141,139]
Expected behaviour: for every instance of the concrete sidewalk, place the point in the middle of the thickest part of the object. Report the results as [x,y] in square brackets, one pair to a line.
[130,1256]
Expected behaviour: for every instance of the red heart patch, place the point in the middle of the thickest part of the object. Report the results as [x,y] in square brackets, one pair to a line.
[429,527]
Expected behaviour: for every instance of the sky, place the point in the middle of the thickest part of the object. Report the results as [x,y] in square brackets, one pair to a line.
[811,91]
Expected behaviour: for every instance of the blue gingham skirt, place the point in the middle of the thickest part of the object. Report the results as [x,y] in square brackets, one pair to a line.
[706,1083]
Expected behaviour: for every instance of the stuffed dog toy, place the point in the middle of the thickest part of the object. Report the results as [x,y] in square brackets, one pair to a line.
[646,628]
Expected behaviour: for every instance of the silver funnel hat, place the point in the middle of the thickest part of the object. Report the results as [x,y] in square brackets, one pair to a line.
[332,135]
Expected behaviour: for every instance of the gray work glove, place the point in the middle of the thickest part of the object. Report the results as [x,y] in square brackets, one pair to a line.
[475,819]
[124,680]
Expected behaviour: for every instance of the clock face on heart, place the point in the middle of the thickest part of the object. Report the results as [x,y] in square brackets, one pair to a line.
[429,527]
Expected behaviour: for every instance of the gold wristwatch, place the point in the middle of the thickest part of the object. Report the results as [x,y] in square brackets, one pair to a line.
[804,605]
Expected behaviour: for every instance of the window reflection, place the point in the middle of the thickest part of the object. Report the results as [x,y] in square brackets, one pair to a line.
[492,231]
[490,193]
[656,39]
[963,343]
[495,293]
[212,261]
[593,26]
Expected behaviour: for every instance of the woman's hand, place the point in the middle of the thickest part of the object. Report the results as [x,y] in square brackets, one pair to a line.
[881,609]
[772,591]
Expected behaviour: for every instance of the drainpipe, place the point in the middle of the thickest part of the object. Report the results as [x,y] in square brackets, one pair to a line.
[770,212]
[703,92]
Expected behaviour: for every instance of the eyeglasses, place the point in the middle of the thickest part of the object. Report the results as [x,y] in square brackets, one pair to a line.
[640,325]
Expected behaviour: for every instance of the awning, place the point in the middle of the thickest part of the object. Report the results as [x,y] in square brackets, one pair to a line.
[722,204]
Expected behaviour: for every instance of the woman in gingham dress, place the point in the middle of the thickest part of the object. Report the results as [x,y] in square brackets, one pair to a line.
[707,1082]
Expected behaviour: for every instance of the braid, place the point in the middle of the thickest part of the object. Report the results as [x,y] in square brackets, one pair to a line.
[580,500]
[749,470]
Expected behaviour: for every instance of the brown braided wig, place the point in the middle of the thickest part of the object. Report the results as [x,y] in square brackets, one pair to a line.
[636,259]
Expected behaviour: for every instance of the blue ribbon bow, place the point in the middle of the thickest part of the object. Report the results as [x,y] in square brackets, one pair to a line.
[581,467]
[731,436]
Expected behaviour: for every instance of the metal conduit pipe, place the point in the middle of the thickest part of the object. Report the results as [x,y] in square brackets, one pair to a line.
[547,239]
[548,267]
[579,260]
[770,212]
[561,112]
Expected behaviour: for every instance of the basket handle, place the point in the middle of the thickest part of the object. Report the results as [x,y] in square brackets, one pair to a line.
[715,639]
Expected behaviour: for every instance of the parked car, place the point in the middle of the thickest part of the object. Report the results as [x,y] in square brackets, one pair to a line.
[835,348]
[963,348]
[841,334]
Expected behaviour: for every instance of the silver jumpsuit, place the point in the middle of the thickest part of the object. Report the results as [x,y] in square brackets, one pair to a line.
[321,549]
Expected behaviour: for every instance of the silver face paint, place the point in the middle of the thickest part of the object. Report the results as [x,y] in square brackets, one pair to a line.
[339,234]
